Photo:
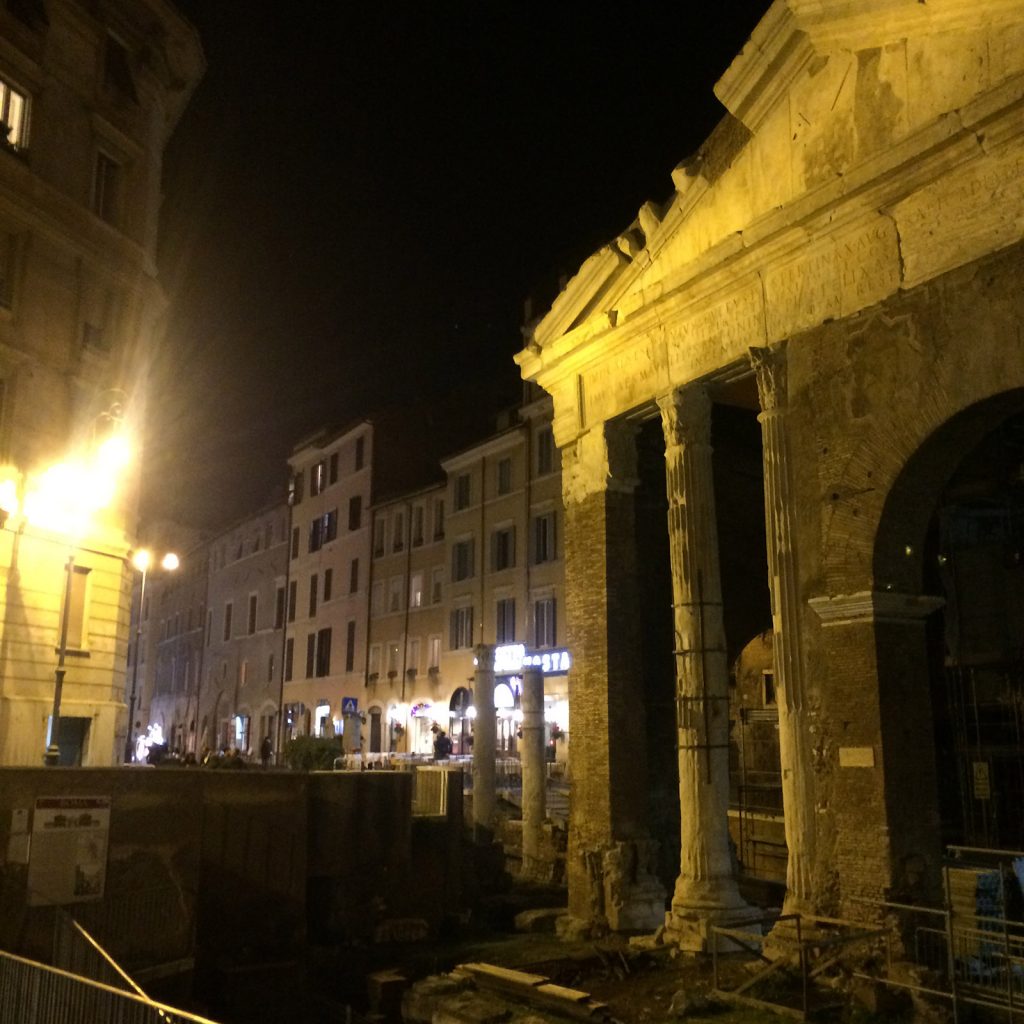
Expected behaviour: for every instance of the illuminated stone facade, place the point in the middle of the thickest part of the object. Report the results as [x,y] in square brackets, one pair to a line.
[841,260]
[89,95]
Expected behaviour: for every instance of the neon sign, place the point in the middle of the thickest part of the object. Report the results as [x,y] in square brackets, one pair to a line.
[513,658]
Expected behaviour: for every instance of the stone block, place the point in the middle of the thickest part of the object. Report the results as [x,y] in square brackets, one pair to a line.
[540,920]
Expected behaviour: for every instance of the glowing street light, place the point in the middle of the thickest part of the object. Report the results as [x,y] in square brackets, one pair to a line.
[141,562]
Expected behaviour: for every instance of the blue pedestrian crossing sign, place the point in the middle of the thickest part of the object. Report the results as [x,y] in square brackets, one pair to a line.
[350,705]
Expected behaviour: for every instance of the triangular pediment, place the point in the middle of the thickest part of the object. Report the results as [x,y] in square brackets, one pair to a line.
[838,111]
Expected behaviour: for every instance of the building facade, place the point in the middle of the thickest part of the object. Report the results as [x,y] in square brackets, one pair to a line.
[839,268]
[475,560]
[88,99]
[329,564]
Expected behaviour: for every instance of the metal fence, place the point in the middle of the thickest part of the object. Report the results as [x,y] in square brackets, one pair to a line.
[34,993]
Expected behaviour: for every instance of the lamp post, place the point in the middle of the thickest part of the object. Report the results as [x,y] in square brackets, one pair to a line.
[52,757]
[141,561]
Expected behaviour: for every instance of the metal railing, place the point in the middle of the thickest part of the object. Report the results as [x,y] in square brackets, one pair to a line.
[34,993]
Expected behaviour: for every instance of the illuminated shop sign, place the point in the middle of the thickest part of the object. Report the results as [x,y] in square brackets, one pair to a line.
[513,658]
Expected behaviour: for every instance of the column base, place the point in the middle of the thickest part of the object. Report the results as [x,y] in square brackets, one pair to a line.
[689,927]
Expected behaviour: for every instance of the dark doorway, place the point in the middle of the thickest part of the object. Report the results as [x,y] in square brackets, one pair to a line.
[71,737]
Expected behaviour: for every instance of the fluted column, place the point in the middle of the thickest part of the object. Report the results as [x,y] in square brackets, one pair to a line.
[706,892]
[794,736]
[484,741]
[531,752]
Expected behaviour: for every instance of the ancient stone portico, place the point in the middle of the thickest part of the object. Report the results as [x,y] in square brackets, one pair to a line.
[842,258]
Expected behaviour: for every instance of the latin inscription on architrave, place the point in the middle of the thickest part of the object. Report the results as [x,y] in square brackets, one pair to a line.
[835,278]
[967,214]
[716,335]
[621,381]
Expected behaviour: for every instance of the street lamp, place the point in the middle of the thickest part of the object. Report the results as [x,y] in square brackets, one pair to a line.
[141,561]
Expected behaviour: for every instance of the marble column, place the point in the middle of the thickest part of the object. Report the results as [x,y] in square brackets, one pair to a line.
[484,741]
[531,752]
[612,861]
[706,892]
[795,741]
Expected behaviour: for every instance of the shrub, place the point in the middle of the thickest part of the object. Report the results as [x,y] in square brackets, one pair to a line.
[312,753]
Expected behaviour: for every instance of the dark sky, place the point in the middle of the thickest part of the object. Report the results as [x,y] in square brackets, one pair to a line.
[360,197]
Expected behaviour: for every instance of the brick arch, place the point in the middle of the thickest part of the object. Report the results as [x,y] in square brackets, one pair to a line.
[911,500]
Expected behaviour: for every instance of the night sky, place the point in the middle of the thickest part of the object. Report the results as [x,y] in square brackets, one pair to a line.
[360,198]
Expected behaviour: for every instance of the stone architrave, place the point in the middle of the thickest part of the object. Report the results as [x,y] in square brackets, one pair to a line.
[795,745]
[706,892]
[534,773]
[484,741]
[611,865]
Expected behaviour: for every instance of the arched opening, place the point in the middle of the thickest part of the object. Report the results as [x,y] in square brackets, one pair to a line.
[952,694]
[459,721]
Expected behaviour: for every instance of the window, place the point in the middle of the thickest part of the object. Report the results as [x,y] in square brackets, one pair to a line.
[545,451]
[398,531]
[317,478]
[462,560]
[314,586]
[504,476]
[373,665]
[436,586]
[297,481]
[333,473]
[323,652]
[353,576]
[544,538]
[289,657]
[433,652]
[270,668]
[253,605]
[377,598]
[439,519]
[76,618]
[227,620]
[295,542]
[279,608]
[544,631]
[412,657]
[417,526]
[106,187]
[461,628]
[117,71]
[360,452]
[293,599]
[330,525]
[505,621]
[310,654]
[462,492]
[14,114]
[392,660]
[350,645]
[503,549]
[378,537]
[768,688]
[355,512]
[395,594]
[416,590]
[328,583]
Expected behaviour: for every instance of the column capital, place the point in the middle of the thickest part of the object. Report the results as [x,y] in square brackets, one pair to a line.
[686,415]
[769,365]
[484,657]
[602,459]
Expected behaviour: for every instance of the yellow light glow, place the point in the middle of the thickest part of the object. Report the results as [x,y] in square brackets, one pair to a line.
[114,453]
[170,561]
[9,496]
[142,559]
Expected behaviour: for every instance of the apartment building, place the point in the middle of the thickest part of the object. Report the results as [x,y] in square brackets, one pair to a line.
[329,563]
[243,646]
[89,95]
[475,560]
[408,622]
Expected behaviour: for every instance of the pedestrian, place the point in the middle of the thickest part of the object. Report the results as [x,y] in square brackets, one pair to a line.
[442,746]
[266,749]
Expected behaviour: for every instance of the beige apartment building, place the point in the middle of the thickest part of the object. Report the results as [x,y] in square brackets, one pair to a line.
[329,558]
[476,560]
[89,95]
